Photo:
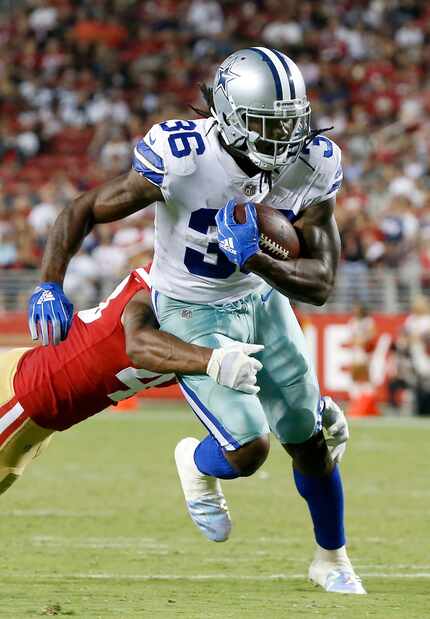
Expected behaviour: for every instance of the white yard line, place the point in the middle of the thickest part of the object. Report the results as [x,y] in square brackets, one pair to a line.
[58,513]
[137,545]
[198,577]
[150,544]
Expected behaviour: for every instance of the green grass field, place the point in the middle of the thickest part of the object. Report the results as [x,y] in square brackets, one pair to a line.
[98,528]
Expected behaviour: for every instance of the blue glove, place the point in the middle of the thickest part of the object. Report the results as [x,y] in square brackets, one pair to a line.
[49,304]
[237,241]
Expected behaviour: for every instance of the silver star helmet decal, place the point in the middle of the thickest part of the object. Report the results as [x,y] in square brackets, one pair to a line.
[225,75]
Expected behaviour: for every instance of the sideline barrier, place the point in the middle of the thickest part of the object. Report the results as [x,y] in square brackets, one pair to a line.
[328,337]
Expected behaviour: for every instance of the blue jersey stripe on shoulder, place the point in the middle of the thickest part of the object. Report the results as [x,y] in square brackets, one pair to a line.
[155,177]
[339,172]
[335,186]
[146,151]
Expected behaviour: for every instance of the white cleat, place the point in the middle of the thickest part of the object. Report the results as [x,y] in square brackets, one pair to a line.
[335,576]
[203,495]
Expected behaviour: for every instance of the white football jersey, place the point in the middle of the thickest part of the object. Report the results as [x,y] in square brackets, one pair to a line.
[197,177]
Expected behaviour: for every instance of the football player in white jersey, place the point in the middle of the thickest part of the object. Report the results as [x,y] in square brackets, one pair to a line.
[255,143]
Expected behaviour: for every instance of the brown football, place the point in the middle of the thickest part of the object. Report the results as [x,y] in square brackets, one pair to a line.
[278,237]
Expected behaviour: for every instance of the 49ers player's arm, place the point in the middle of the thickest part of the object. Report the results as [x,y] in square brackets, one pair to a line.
[309,279]
[163,353]
[113,200]
[157,351]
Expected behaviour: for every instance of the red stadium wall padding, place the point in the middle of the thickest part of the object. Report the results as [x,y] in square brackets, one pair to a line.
[172,392]
[14,330]
[327,336]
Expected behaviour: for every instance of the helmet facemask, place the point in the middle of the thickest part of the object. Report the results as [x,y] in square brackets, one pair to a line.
[273,138]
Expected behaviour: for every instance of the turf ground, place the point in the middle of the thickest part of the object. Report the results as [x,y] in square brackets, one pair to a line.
[97,528]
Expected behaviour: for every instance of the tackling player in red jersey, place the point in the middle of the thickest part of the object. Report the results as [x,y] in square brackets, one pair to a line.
[112,351]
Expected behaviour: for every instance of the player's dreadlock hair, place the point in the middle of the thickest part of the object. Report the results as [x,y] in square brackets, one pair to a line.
[207,94]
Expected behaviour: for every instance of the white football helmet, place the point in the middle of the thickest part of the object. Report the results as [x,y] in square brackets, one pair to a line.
[260,103]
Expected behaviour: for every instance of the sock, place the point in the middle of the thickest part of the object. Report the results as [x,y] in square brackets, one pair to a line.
[210,460]
[337,556]
[324,496]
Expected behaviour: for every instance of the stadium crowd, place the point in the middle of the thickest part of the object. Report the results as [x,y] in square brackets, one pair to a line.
[80,80]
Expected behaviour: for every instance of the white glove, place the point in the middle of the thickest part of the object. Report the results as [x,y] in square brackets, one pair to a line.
[336,426]
[232,367]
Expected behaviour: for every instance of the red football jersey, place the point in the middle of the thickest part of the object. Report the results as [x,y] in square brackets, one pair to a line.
[61,385]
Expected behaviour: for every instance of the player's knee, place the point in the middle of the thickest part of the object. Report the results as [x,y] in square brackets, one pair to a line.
[303,404]
[311,457]
[248,458]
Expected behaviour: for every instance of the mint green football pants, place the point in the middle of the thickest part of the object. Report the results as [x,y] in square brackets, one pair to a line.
[288,403]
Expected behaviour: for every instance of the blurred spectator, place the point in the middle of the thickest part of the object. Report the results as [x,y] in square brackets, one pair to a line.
[82,280]
[43,18]
[115,155]
[111,259]
[282,30]
[418,322]
[355,267]
[362,342]
[27,141]
[420,356]
[400,374]
[136,239]
[8,248]
[410,359]
[43,214]
[205,17]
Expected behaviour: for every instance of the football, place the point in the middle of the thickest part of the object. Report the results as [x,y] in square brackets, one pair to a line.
[278,237]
